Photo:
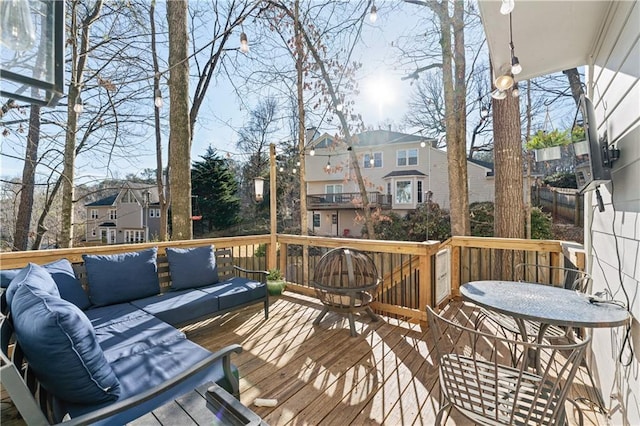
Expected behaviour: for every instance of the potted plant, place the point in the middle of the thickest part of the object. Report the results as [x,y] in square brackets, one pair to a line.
[275,282]
[547,144]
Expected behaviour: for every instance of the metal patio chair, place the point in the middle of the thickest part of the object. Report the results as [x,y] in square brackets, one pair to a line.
[479,381]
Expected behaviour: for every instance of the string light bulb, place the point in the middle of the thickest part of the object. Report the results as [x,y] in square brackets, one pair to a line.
[78,107]
[328,166]
[158,99]
[507,6]
[281,169]
[294,171]
[373,16]
[372,161]
[516,68]
[339,107]
[516,91]
[484,112]
[312,152]
[423,144]
[244,43]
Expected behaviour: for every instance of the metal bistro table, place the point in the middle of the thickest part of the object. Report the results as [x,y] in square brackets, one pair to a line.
[545,304]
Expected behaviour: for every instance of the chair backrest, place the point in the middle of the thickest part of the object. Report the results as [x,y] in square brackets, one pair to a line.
[478,376]
[569,278]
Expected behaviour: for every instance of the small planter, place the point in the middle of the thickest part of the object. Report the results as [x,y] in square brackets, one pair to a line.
[547,154]
[275,282]
[276,287]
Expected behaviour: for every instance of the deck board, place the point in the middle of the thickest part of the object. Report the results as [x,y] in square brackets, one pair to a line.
[322,375]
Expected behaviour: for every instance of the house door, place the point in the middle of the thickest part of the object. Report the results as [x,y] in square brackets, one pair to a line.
[108,236]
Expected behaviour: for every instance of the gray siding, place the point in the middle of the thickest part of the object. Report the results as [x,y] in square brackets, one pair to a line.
[613,237]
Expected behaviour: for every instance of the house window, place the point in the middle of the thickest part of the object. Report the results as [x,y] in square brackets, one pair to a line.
[133,236]
[316,220]
[388,188]
[113,214]
[377,160]
[94,213]
[419,192]
[129,198]
[333,189]
[154,212]
[403,192]
[407,157]
[334,218]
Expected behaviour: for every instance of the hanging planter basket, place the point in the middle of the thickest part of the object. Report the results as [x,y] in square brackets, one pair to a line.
[547,154]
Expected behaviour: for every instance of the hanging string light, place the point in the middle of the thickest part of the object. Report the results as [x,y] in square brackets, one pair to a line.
[328,166]
[158,99]
[516,68]
[373,16]
[312,152]
[78,107]
[507,6]
[244,43]
[516,91]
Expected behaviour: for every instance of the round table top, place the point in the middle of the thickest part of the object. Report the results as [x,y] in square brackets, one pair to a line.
[543,303]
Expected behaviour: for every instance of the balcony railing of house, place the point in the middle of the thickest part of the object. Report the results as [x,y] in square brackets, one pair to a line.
[413,273]
[347,200]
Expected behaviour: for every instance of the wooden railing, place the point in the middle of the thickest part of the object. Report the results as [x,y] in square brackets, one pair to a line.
[407,268]
[343,200]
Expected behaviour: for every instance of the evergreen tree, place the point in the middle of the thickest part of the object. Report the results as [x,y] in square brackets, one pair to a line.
[216,191]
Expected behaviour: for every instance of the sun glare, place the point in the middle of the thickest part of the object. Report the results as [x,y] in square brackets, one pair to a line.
[380,91]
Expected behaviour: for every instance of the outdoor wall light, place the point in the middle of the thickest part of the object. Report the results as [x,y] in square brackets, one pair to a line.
[498,94]
[244,43]
[504,82]
[373,16]
[507,6]
[32,51]
[259,188]
[158,99]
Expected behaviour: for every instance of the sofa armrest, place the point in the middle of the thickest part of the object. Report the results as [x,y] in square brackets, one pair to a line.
[263,274]
[118,407]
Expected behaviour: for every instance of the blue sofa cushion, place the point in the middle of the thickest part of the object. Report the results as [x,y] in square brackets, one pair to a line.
[36,277]
[102,316]
[122,277]
[179,307]
[192,267]
[60,344]
[237,291]
[134,335]
[69,286]
[146,369]
[61,270]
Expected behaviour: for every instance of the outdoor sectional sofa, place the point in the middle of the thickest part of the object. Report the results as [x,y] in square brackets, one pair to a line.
[108,351]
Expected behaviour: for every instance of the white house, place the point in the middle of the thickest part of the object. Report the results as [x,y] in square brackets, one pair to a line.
[399,170]
[604,37]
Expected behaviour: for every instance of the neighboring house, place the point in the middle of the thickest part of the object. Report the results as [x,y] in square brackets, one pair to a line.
[131,215]
[603,36]
[399,170]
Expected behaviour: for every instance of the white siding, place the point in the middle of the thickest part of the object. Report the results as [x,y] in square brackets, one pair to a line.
[613,236]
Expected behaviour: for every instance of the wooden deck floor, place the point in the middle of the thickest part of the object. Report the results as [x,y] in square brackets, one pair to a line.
[322,376]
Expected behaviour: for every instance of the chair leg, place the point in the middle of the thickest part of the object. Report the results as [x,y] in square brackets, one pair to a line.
[352,325]
[446,407]
[372,314]
[322,314]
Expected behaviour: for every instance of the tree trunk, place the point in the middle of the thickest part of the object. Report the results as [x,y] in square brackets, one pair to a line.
[575,84]
[179,123]
[160,184]
[23,220]
[78,62]
[509,196]
[453,80]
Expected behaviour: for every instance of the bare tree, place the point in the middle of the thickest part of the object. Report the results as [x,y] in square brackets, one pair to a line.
[180,125]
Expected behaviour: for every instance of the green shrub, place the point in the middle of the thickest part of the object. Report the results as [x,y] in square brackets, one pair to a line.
[261,251]
[561,180]
[481,219]
[540,225]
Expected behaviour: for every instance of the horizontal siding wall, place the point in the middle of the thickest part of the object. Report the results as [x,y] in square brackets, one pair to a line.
[614,235]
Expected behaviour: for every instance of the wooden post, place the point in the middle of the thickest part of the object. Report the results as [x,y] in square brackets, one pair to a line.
[273,228]
[283,260]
